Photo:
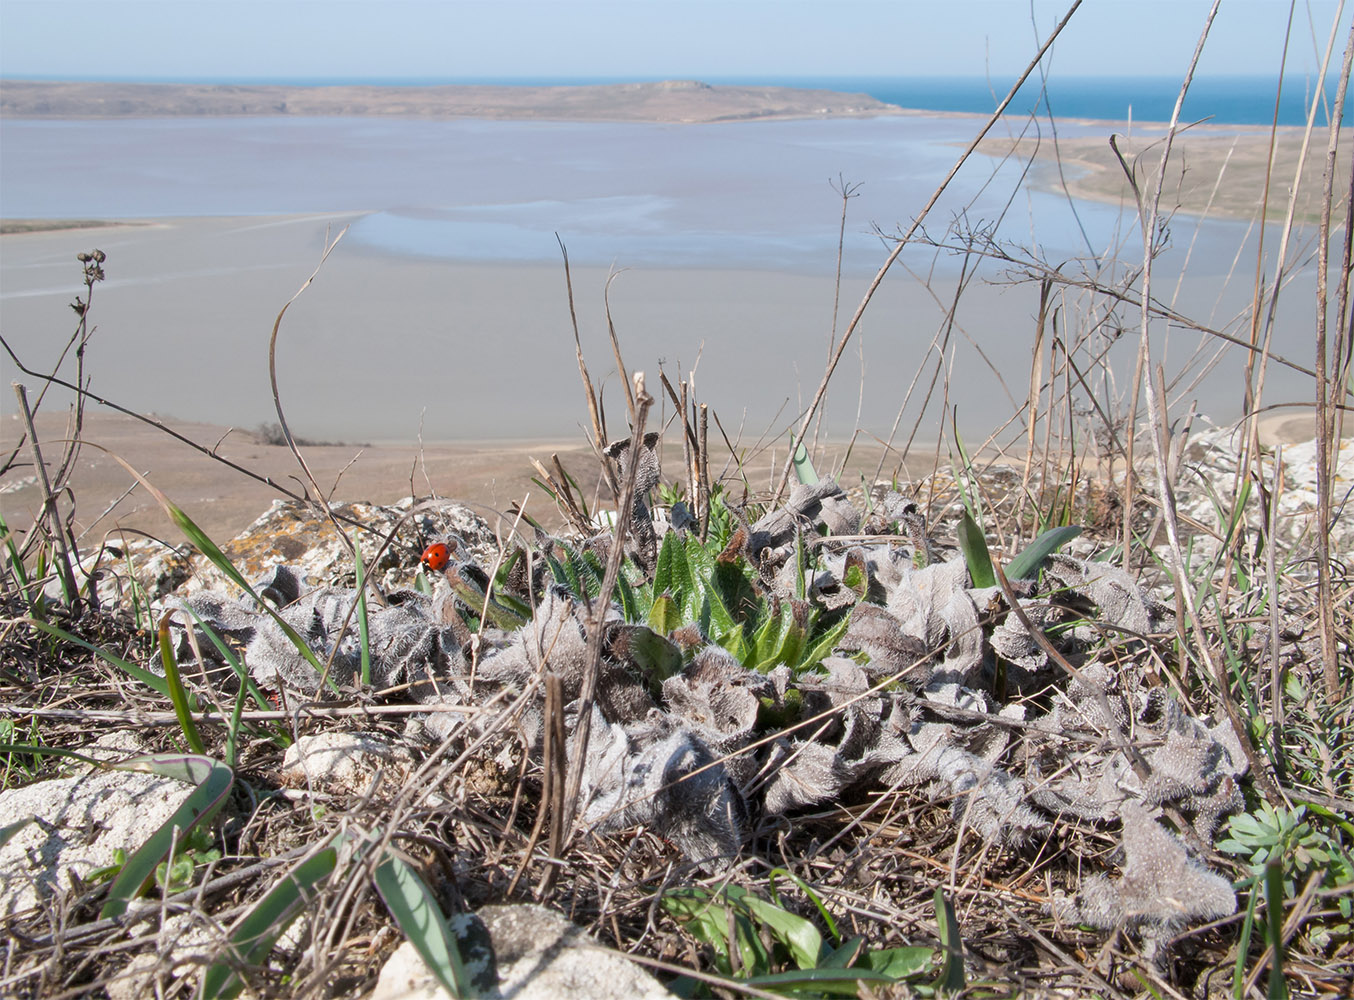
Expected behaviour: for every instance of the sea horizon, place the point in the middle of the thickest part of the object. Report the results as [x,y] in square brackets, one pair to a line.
[1237,99]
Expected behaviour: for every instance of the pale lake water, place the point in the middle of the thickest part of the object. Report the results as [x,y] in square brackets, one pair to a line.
[755,197]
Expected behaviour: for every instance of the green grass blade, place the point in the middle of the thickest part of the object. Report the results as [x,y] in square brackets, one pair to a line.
[1278,988]
[38,748]
[1243,945]
[212,551]
[412,905]
[152,681]
[233,730]
[213,780]
[974,546]
[177,695]
[257,932]
[233,661]
[32,595]
[818,982]
[363,640]
[971,503]
[1026,566]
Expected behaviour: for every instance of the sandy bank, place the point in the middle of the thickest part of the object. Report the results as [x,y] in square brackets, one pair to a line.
[1214,170]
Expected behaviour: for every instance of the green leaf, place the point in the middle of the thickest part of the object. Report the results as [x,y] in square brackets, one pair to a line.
[412,905]
[361,584]
[208,548]
[670,575]
[951,976]
[1026,566]
[901,963]
[664,615]
[798,935]
[1243,946]
[732,581]
[1274,900]
[823,646]
[844,956]
[804,470]
[652,655]
[707,602]
[704,918]
[818,982]
[974,546]
[38,748]
[177,695]
[258,930]
[153,681]
[213,780]
[808,891]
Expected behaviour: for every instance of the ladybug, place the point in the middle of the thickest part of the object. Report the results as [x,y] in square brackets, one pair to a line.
[436,557]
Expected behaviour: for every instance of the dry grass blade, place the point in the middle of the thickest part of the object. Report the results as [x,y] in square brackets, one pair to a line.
[904,239]
[1329,385]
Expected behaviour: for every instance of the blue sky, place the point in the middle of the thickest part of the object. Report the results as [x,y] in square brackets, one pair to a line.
[203,39]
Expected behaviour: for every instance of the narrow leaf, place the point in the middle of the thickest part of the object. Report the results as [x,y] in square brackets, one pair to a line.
[213,780]
[804,470]
[258,930]
[364,642]
[951,976]
[177,695]
[974,546]
[152,681]
[1026,566]
[412,905]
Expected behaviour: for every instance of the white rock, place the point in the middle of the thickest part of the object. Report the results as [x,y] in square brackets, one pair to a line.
[78,824]
[540,956]
[347,763]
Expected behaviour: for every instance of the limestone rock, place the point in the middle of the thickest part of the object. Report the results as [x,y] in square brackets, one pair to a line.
[347,763]
[77,825]
[540,956]
[295,534]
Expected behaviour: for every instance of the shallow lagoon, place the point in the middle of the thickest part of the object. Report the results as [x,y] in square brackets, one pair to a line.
[710,218]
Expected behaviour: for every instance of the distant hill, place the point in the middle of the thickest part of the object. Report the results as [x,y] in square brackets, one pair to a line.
[668,101]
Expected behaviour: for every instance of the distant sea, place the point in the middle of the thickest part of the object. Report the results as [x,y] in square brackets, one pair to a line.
[1224,100]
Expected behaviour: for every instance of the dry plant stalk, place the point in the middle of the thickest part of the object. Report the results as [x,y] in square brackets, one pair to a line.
[600,604]
[903,242]
[1329,382]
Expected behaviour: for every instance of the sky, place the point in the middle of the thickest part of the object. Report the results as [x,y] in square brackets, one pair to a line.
[645,39]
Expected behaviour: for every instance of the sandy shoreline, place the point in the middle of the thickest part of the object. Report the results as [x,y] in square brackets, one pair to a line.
[491,476]
[1215,170]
